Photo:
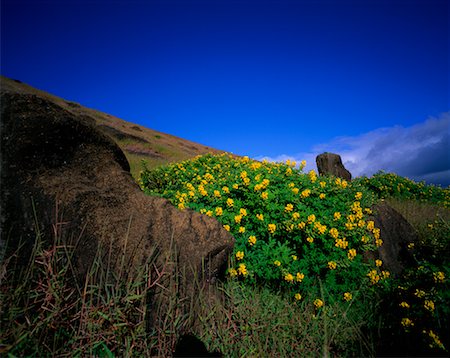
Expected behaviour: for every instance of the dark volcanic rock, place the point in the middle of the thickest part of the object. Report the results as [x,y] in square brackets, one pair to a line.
[60,168]
[396,233]
[331,164]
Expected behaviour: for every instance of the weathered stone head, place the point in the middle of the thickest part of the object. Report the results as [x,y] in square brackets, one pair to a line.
[59,168]
[331,164]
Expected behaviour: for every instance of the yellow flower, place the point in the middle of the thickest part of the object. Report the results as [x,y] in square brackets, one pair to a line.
[242,270]
[337,215]
[260,217]
[348,296]
[232,272]
[241,229]
[295,216]
[439,277]
[370,225]
[358,195]
[265,195]
[429,305]
[235,186]
[318,303]
[209,213]
[252,240]
[302,164]
[305,193]
[436,341]
[311,218]
[289,277]
[230,202]
[238,219]
[351,254]
[404,304]
[289,207]
[226,190]
[332,265]
[295,191]
[376,233]
[181,206]
[301,225]
[299,277]
[322,184]
[334,233]
[374,276]
[217,193]
[322,196]
[239,255]
[226,227]
[385,274]
[378,242]
[312,176]
[419,293]
[243,212]
[294,257]
[310,240]
[341,243]
[378,263]
[411,246]
[219,211]
[271,228]
[407,322]
[277,263]
[298,296]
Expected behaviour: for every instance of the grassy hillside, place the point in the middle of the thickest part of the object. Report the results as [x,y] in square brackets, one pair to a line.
[137,142]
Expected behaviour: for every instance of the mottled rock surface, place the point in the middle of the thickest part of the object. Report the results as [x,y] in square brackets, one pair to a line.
[331,164]
[59,168]
[396,233]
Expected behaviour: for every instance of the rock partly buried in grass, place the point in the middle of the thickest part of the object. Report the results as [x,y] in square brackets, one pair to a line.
[331,164]
[397,234]
[60,169]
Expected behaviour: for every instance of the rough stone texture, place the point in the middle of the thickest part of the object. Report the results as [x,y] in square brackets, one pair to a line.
[396,233]
[331,164]
[60,168]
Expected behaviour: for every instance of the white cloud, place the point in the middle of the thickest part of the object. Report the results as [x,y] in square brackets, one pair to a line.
[419,152]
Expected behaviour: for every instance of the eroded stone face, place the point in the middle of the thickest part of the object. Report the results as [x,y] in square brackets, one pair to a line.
[331,164]
[60,167]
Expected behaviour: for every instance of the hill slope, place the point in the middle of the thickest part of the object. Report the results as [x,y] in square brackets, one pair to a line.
[137,142]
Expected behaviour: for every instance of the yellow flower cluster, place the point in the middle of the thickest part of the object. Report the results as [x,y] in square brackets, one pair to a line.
[318,303]
[439,277]
[242,270]
[436,342]
[239,255]
[332,265]
[289,277]
[351,254]
[429,305]
[348,296]
[334,233]
[289,207]
[271,228]
[320,228]
[404,304]
[341,243]
[407,322]
[299,277]
[298,296]
[252,240]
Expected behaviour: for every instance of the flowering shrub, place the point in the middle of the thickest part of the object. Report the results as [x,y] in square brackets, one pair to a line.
[293,231]
[391,185]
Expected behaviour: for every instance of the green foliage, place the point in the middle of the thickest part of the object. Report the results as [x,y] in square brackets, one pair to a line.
[291,229]
[386,185]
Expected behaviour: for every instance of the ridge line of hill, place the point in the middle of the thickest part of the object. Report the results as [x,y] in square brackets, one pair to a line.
[136,141]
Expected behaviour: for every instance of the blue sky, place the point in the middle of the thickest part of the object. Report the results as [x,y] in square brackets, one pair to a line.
[368,79]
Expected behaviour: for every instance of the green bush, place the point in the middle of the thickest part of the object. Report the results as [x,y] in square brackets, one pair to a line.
[388,185]
[293,231]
